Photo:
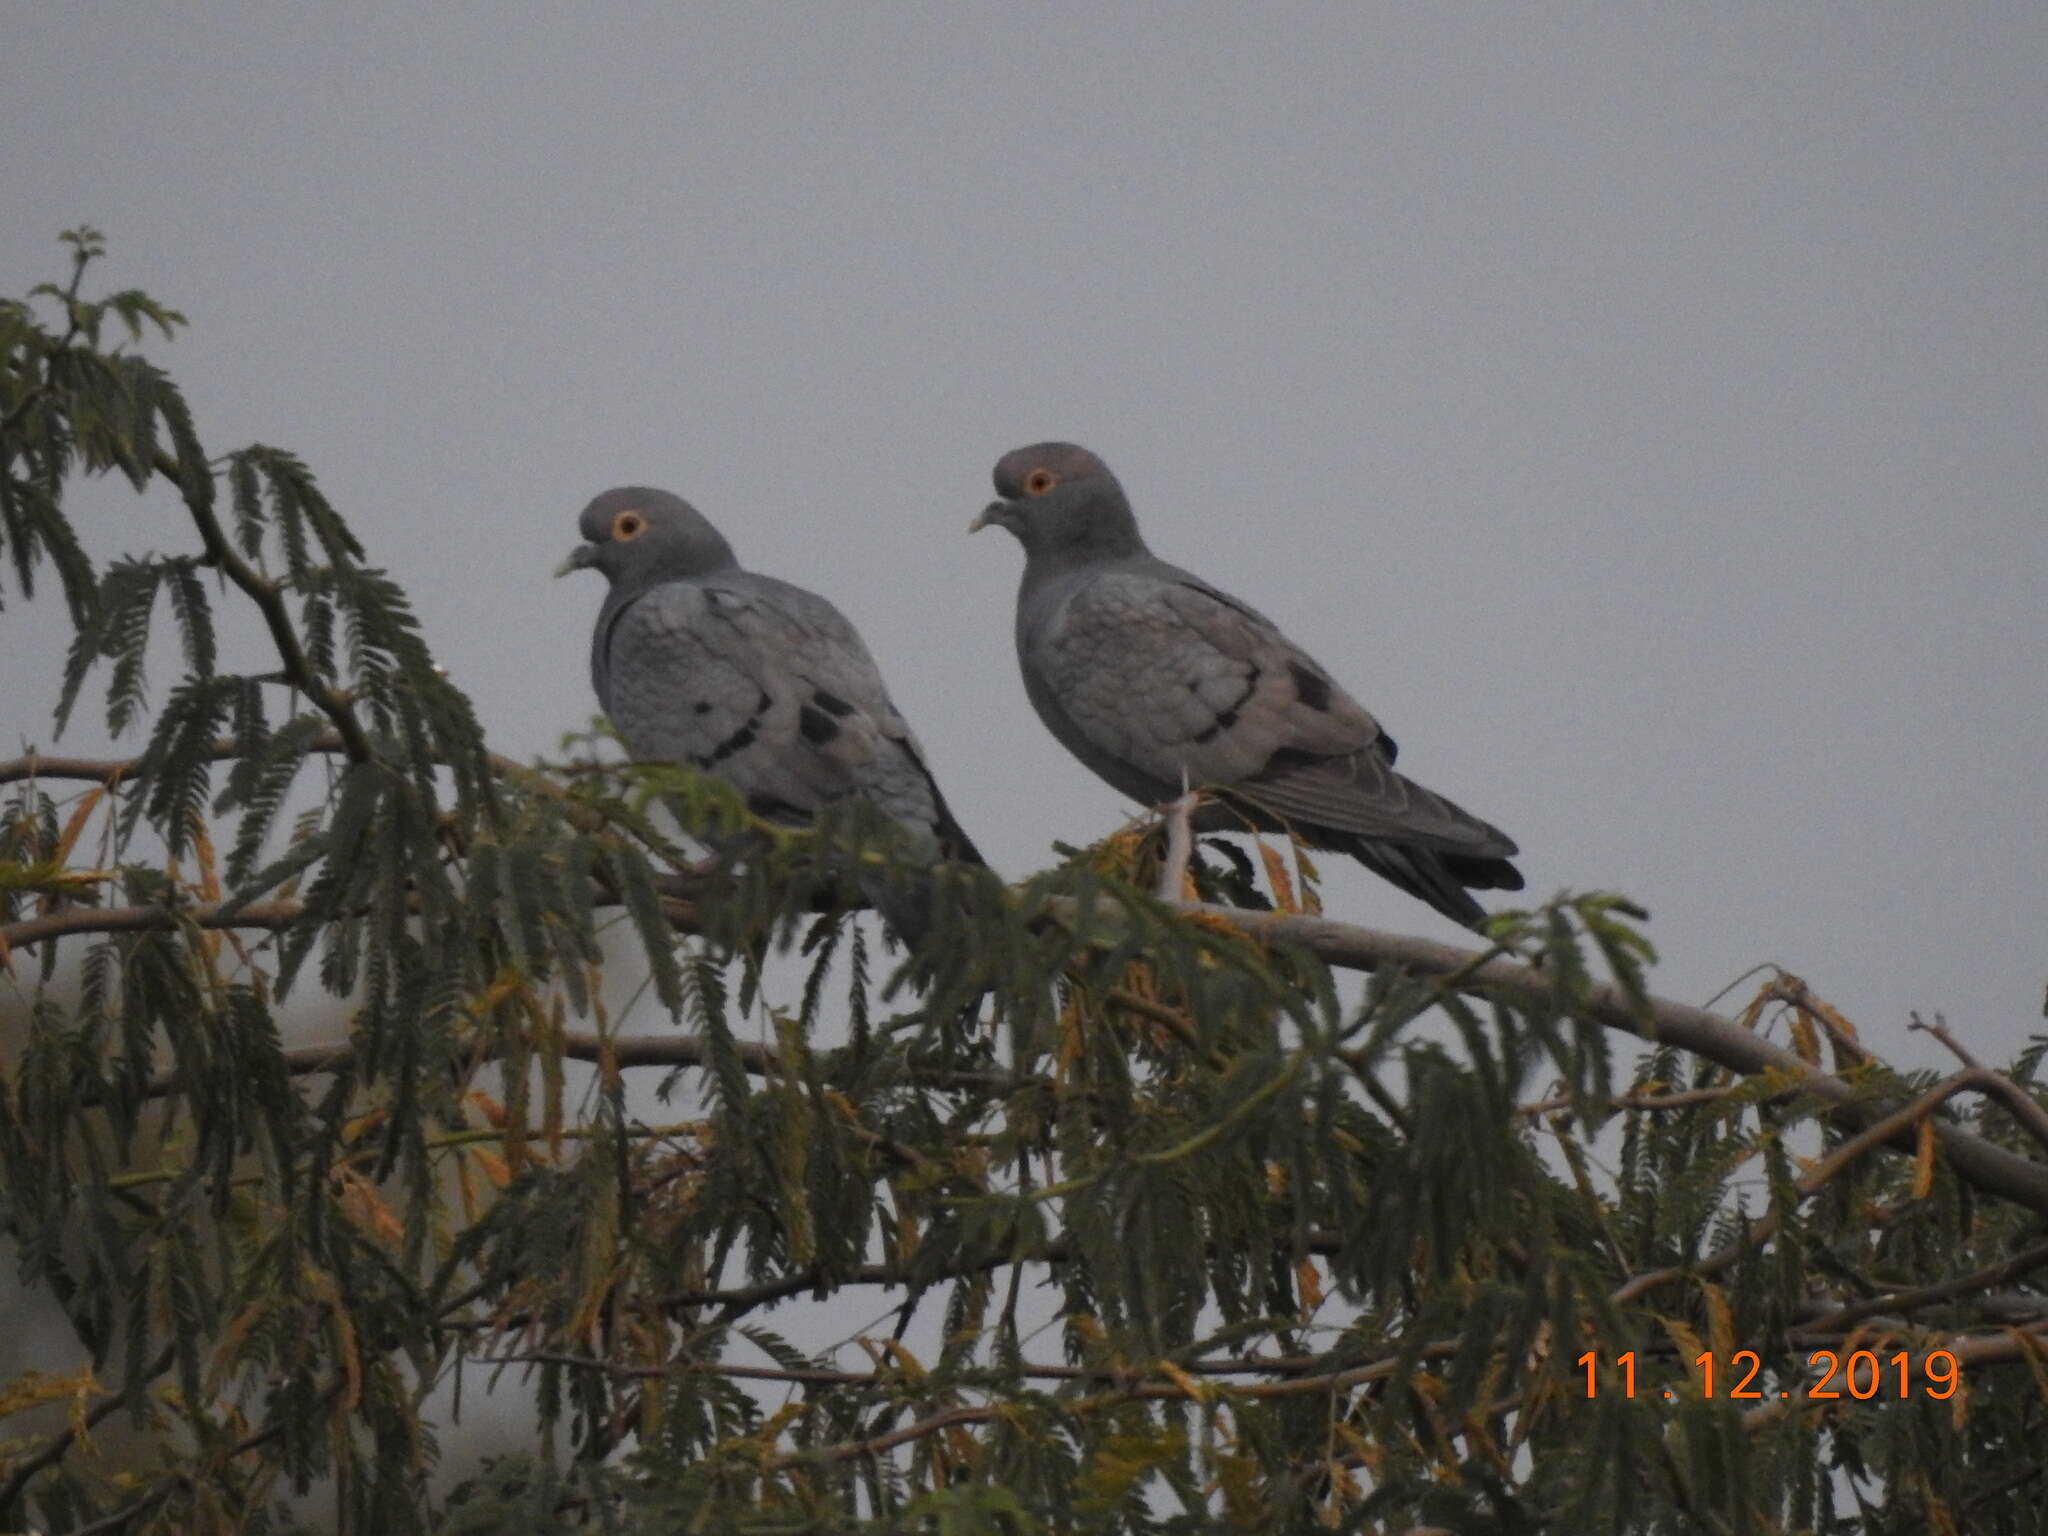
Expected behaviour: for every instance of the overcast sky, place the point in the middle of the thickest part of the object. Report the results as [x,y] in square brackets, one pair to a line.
[1641,410]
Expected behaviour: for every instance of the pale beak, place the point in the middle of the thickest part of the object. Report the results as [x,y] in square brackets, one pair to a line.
[990,514]
[580,558]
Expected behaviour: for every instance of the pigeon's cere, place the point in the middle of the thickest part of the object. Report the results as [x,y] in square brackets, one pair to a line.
[1156,680]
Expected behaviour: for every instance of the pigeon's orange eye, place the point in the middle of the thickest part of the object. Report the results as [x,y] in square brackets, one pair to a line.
[1039,481]
[628,525]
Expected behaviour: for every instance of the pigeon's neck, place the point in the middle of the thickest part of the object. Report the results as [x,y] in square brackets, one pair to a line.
[1088,537]
[690,564]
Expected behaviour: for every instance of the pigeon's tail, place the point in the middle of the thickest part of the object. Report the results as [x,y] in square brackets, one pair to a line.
[908,900]
[905,900]
[954,843]
[1437,878]
[1361,795]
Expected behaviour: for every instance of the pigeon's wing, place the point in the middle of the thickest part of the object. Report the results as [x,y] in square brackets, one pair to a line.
[769,687]
[1176,682]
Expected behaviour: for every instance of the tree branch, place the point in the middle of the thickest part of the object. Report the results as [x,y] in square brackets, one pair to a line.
[111,770]
[269,600]
[1899,1123]
[61,1442]
[1982,1163]
[1986,1165]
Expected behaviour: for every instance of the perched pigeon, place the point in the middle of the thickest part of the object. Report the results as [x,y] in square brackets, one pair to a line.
[749,678]
[1159,682]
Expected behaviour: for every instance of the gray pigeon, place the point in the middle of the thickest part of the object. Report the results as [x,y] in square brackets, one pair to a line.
[1159,682]
[761,683]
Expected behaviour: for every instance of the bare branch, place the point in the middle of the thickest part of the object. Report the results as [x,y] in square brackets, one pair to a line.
[1939,1029]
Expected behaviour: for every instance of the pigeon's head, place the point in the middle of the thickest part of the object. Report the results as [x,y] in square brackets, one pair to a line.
[1059,499]
[638,537]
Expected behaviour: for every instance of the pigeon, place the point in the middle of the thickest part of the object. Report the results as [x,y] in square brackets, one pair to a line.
[1160,682]
[760,683]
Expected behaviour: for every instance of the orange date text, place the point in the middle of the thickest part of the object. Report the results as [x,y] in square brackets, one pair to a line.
[1861,1375]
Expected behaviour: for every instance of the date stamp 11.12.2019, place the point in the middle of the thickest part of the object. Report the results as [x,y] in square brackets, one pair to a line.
[1861,1375]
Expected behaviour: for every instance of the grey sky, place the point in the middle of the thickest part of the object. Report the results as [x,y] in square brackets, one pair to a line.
[1641,410]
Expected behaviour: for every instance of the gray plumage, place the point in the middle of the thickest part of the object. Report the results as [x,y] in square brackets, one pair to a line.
[1158,681]
[761,683]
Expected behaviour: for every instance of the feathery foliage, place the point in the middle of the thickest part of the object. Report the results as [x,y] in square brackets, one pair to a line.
[1128,1215]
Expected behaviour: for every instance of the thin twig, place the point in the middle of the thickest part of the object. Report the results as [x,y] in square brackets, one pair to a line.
[626,1051]
[2004,1272]
[268,597]
[1679,1100]
[61,1442]
[1245,1365]
[1939,1029]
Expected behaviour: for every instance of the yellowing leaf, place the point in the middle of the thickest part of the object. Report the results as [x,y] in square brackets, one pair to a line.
[366,1208]
[1180,1378]
[1753,1009]
[1720,1321]
[202,849]
[493,1166]
[1923,1160]
[32,1389]
[1278,878]
[46,877]
[68,838]
[897,1350]
[1804,1040]
[1688,1342]
[1309,1283]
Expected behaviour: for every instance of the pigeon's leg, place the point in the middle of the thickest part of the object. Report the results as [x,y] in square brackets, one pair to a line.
[1180,845]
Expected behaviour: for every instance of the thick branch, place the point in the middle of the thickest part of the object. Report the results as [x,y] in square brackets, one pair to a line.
[1990,1167]
[69,920]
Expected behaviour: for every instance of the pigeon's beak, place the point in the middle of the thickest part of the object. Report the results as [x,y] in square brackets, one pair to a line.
[995,514]
[581,558]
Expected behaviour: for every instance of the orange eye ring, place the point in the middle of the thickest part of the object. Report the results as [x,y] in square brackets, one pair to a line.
[628,525]
[1039,481]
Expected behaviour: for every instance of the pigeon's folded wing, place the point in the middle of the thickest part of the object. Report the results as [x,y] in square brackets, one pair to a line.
[1181,683]
[769,687]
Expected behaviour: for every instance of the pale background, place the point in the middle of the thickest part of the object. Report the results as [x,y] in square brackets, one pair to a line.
[1642,410]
